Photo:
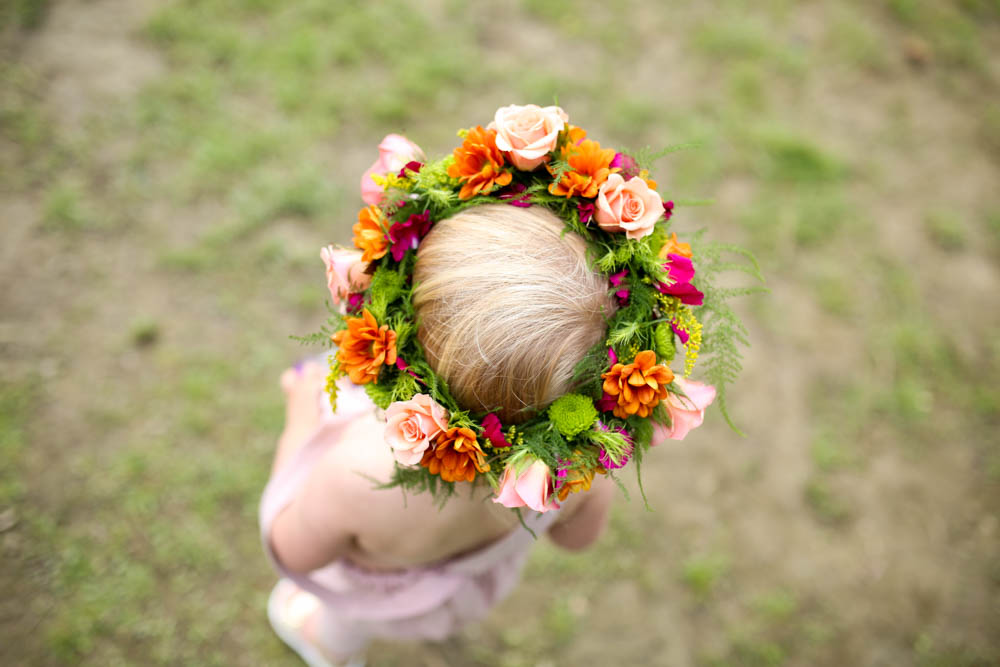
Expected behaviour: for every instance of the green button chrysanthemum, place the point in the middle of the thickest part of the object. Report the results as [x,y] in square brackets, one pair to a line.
[572,414]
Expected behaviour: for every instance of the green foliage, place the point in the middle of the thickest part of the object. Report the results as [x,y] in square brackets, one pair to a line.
[663,337]
[382,393]
[586,377]
[611,441]
[404,387]
[572,414]
[723,333]
[387,286]
[647,155]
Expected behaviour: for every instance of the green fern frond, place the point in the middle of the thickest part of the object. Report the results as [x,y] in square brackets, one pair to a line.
[646,155]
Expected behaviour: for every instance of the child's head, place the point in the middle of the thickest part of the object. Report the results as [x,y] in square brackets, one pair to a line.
[507,306]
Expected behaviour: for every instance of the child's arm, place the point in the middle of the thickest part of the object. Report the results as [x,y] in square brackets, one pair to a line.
[314,529]
[587,521]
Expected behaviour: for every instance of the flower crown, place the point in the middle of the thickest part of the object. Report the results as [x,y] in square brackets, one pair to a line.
[626,395]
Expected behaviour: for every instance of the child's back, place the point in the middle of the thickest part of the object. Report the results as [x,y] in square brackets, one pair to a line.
[506,307]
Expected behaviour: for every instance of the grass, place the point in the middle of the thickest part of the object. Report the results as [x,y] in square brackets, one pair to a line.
[15,410]
[139,528]
[65,211]
[702,573]
[946,231]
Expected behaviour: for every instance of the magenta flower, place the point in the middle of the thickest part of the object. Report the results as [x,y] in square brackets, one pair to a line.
[627,164]
[681,273]
[606,460]
[413,166]
[403,366]
[612,356]
[616,280]
[668,210]
[681,333]
[492,429]
[515,197]
[355,301]
[586,211]
[406,235]
[606,403]
[562,472]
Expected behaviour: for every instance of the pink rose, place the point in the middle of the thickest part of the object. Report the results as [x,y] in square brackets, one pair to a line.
[532,486]
[529,133]
[411,425]
[345,272]
[686,412]
[393,154]
[627,206]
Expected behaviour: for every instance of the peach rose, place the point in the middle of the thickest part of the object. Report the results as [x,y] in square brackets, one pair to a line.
[686,412]
[345,272]
[531,486]
[627,206]
[393,154]
[411,425]
[528,134]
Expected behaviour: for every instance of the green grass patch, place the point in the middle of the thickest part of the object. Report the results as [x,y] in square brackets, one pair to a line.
[827,505]
[741,39]
[789,158]
[946,231]
[830,455]
[702,573]
[24,14]
[16,400]
[776,606]
[64,210]
[821,215]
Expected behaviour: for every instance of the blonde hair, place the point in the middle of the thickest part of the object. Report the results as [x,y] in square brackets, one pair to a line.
[506,306]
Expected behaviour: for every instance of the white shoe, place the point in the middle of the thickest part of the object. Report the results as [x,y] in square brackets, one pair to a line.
[288,608]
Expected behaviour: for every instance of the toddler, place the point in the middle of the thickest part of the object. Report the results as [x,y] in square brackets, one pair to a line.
[507,304]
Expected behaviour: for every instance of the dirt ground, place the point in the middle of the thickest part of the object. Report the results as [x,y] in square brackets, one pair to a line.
[168,170]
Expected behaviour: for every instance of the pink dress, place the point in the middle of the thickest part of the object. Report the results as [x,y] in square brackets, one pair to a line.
[429,602]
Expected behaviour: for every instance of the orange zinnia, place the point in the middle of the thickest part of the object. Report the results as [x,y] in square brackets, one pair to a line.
[577,479]
[675,247]
[456,456]
[639,386]
[574,134]
[369,234]
[591,165]
[365,347]
[479,164]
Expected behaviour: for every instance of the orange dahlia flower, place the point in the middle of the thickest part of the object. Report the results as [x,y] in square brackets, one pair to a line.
[590,164]
[479,164]
[369,234]
[675,247]
[639,386]
[365,347]
[456,456]
[578,479]
[574,134]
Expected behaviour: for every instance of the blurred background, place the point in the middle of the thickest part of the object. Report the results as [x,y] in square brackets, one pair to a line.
[170,169]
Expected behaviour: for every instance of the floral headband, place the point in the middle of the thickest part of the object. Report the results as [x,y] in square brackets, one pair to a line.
[626,396]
